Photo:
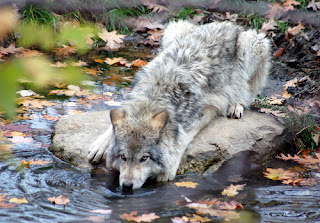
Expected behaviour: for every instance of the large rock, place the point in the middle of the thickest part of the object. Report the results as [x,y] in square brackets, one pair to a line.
[257,136]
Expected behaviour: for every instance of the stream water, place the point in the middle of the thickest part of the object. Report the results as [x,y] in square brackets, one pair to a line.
[263,200]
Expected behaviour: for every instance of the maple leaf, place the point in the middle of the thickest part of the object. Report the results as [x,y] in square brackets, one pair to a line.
[134,217]
[18,200]
[3,203]
[274,11]
[232,190]
[35,162]
[36,103]
[113,39]
[59,200]
[143,23]
[271,25]
[187,184]
[289,4]
[10,49]
[30,53]
[115,60]
[65,51]
[80,63]
[279,174]
[314,5]
[139,63]
[93,72]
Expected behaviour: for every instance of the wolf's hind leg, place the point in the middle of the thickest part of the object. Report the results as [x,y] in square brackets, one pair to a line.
[98,148]
[235,111]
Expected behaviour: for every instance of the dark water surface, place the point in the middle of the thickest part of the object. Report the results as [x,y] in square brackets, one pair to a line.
[263,200]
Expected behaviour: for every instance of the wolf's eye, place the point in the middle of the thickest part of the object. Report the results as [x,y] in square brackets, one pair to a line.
[144,158]
[123,157]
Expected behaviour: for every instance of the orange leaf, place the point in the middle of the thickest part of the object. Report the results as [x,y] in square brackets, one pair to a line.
[65,50]
[59,200]
[35,162]
[139,63]
[50,118]
[18,200]
[134,217]
[232,190]
[97,60]
[187,184]
[279,174]
[278,52]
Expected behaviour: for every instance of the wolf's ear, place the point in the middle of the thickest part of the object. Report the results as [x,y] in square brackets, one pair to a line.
[116,117]
[160,120]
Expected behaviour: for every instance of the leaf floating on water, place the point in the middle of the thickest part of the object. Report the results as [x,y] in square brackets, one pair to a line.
[143,218]
[187,184]
[279,174]
[139,63]
[232,190]
[59,200]
[18,200]
[3,203]
[35,162]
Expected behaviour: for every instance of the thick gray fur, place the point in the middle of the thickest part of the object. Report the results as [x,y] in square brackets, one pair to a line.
[201,72]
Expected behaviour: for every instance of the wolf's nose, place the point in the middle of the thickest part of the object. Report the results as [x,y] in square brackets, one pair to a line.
[127,186]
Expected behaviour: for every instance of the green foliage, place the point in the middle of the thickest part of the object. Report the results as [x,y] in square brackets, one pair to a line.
[302,127]
[184,13]
[282,26]
[114,18]
[255,21]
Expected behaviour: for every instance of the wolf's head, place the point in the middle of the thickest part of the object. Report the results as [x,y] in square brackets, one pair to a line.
[136,151]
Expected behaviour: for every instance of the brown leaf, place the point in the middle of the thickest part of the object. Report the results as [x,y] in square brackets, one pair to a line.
[139,63]
[134,217]
[116,60]
[275,113]
[80,63]
[291,32]
[3,203]
[227,215]
[93,72]
[288,4]
[314,5]
[316,138]
[271,25]
[51,118]
[65,51]
[113,39]
[35,162]
[274,11]
[97,60]
[30,53]
[141,23]
[35,103]
[11,49]
[59,200]
[187,184]
[232,190]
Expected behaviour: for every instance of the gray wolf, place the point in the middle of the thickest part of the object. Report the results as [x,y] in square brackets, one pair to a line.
[201,72]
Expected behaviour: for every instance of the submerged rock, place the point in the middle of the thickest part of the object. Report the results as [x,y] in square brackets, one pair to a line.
[251,139]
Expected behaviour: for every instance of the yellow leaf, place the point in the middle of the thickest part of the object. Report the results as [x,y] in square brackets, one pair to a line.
[232,190]
[59,200]
[18,200]
[187,184]
[279,174]
[35,162]
[134,217]
[97,60]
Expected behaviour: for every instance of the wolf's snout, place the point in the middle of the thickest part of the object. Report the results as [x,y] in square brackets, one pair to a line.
[127,186]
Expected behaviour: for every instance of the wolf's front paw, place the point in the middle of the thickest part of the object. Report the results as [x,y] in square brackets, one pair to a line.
[98,148]
[235,111]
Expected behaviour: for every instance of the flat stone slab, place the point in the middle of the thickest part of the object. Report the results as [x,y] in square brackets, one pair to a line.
[258,135]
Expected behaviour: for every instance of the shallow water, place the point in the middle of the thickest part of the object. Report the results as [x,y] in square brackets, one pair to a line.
[262,199]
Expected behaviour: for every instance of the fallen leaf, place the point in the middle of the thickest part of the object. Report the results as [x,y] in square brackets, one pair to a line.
[18,200]
[65,51]
[35,162]
[93,72]
[3,203]
[227,215]
[187,184]
[139,63]
[279,174]
[266,26]
[115,60]
[97,60]
[198,218]
[11,49]
[142,23]
[59,200]
[278,52]
[155,7]
[51,118]
[35,103]
[276,101]
[274,11]
[314,5]
[113,39]
[134,217]
[316,139]
[58,64]
[30,53]
[59,85]
[80,63]
[288,4]
[232,190]
[275,113]
[291,32]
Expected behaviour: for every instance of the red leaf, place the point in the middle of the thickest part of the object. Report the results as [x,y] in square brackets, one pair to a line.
[278,52]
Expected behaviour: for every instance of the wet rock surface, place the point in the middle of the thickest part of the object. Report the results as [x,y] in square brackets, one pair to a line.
[254,138]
